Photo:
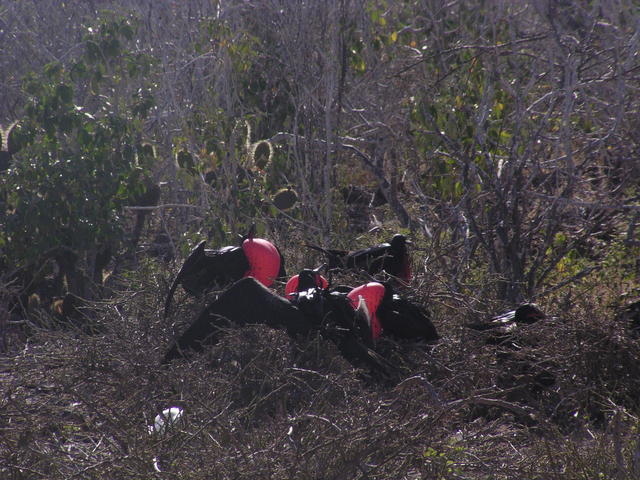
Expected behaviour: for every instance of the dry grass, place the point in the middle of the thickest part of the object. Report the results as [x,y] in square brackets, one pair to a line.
[263,405]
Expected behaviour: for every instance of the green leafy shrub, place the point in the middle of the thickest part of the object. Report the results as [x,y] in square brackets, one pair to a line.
[82,159]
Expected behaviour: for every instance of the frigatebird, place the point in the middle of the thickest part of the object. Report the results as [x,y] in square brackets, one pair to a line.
[394,316]
[207,269]
[513,344]
[502,326]
[348,326]
[314,310]
[392,257]
[525,314]
[389,314]
[305,280]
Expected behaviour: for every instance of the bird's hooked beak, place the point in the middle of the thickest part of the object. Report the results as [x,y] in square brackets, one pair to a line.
[363,310]
[373,293]
[319,269]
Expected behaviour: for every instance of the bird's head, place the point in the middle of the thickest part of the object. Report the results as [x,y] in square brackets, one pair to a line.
[399,242]
[399,248]
[528,313]
[305,280]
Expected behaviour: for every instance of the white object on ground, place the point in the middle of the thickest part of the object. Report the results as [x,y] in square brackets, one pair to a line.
[168,418]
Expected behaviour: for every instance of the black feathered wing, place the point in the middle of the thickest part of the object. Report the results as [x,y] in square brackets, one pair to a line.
[246,302]
[332,315]
[371,259]
[206,269]
[402,319]
[335,258]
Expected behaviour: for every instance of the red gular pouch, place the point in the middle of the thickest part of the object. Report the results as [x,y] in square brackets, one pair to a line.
[372,293]
[304,281]
[264,260]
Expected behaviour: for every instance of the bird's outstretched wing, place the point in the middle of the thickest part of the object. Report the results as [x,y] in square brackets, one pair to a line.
[335,258]
[246,302]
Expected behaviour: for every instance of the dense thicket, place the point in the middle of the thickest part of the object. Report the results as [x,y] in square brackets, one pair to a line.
[502,137]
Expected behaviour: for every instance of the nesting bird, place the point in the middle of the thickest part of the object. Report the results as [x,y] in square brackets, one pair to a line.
[392,257]
[314,310]
[353,319]
[515,348]
[347,325]
[387,312]
[304,280]
[206,269]
[394,316]
[502,326]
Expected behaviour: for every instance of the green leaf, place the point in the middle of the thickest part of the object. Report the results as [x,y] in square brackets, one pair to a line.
[52,69]
[65,93]
[84,138]
[127,31]
[185,160]
[111,47]
[66,123]
[78,71]
[64,192]
[358,64]
[92,51]
[458,189]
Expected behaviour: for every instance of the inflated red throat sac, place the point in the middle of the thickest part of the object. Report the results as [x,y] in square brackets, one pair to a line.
[264,260]
[372,293]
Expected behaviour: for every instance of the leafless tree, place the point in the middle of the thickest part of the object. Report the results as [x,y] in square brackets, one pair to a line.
[508,133]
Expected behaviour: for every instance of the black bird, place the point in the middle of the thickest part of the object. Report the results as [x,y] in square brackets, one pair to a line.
[388,313]
[515,350]
[392,257]
[501,330]
[503,325]
[311,293]
[504,331]
[348,326]
[206,269]
[249,302]
[394,316]
[305,280]
[525,314]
